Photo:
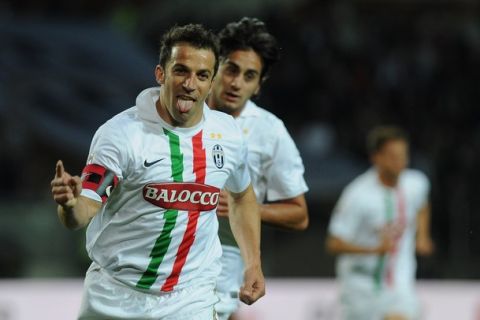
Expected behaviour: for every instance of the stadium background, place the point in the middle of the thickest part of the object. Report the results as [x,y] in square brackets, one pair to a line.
[66,67]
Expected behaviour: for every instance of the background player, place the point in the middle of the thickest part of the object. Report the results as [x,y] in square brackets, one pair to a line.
[379,220]
[247,53]
[151,186]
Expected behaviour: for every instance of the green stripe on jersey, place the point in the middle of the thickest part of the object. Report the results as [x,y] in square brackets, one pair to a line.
[176,156]
[380,268]
[159,250]
[163,241]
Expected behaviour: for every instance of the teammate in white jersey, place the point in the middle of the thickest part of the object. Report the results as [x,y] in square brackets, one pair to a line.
[247,53]
[380,219]
[150,188]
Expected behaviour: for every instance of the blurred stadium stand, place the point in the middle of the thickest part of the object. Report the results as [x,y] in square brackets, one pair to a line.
[66,67]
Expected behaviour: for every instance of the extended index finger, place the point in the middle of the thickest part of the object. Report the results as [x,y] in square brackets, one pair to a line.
[59,169]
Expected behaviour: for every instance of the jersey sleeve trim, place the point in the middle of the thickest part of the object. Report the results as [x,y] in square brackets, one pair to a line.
[91,195]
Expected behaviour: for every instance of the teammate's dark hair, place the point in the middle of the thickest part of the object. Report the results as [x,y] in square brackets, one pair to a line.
[250,33]
[193,34]
[380,135]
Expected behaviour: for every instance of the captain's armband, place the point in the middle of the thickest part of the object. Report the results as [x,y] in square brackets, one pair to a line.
[99,179]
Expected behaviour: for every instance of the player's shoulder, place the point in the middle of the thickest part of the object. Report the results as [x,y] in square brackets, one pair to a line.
[214,115]
[118,128]
[361,184]
[216,120]
[415,176]
[354,191]
[262,114]
[265,125]
[121,121]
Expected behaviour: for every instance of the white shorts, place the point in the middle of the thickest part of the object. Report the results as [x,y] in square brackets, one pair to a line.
[229,282]
[402,301]
[360,304]
[360,300]
[106,298]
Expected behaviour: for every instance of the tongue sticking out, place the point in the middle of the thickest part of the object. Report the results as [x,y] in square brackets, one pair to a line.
[184,105]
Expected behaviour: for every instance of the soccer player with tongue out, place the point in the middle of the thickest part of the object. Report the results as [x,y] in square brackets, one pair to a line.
[149,192]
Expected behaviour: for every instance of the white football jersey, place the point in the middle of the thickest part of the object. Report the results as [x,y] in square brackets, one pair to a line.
[364,208]
[157,230]
[274,163]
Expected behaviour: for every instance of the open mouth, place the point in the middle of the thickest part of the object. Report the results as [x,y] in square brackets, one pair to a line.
[229,96]
[185,103]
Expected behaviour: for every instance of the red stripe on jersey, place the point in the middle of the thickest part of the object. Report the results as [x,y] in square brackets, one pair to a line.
[199,159]
[199,168]
[99,179]
[181,258]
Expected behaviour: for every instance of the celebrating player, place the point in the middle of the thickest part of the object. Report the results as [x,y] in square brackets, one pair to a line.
[150,188]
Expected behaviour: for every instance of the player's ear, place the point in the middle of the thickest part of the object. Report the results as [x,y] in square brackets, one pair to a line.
[256,92]
[159,74]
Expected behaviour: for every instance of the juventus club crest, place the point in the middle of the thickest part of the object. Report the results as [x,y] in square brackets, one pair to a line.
[217,153]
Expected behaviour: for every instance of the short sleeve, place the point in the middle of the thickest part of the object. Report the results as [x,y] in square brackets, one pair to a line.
[239,179]
[106,160]
[346,217]
[284,170]
[423,185]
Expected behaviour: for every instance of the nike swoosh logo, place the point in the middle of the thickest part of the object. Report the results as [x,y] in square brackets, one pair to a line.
[148,164]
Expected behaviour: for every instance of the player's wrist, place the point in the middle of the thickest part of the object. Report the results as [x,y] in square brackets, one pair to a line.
[254,264]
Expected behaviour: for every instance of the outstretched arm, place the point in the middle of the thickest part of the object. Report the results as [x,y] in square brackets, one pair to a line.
[290,214]
[74,211]
[388,236]
[244,220]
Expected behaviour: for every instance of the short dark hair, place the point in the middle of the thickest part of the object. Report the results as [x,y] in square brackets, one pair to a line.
[380,135]
[250,33]
[193,34]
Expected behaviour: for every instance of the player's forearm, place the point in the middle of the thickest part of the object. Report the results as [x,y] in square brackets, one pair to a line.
[80,214]
[335,245]
[244,219]
[246,230]
[423,222]
[289,216]
[424,243]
